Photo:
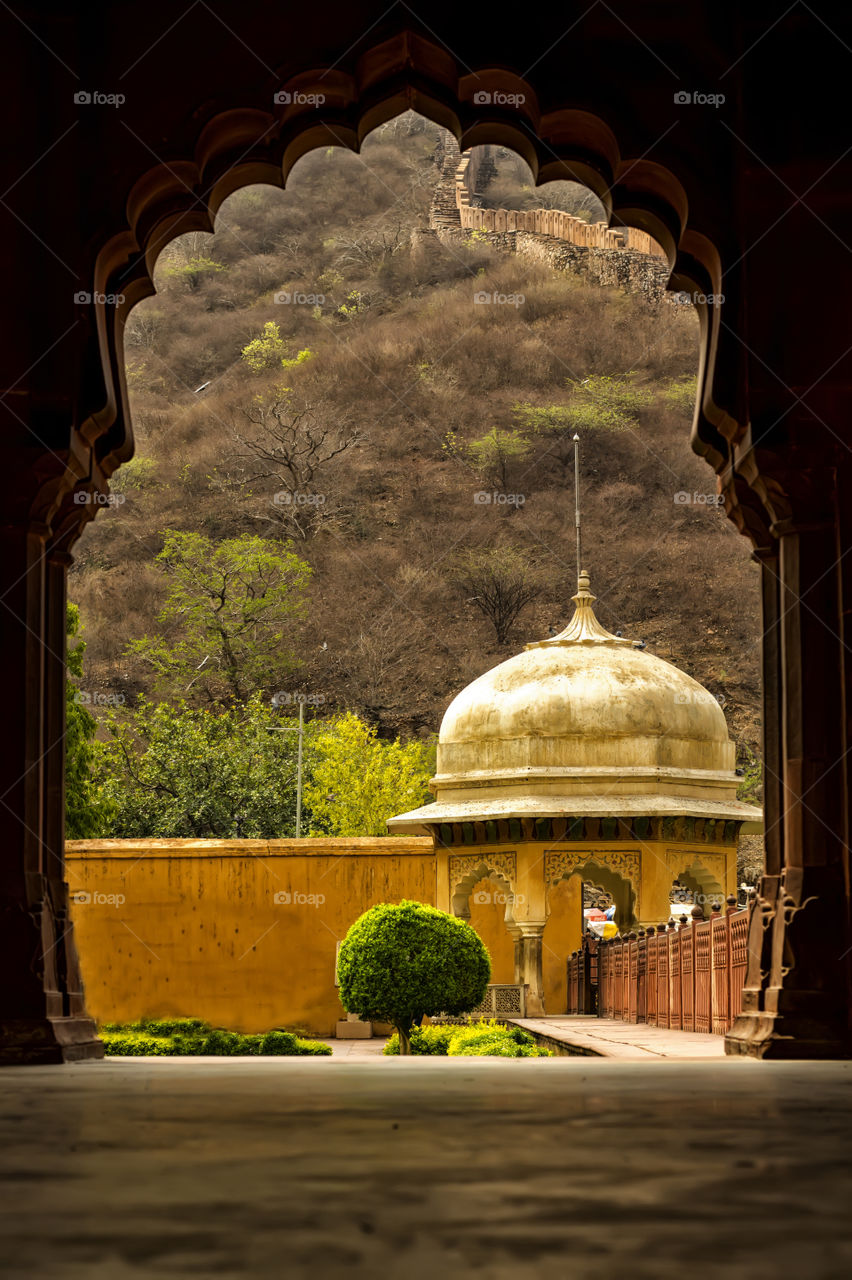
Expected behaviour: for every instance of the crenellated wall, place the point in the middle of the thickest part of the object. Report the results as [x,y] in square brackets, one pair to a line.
[472,173]
[622,258]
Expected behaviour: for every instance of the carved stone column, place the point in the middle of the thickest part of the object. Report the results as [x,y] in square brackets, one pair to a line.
[531,966]
[796,1001]
[42,1018]
[514,931]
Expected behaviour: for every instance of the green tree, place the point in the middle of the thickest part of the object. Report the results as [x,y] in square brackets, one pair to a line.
[541,419]
[225,623]
[358,781]
[179,771]
[599,403]
[400,963]
[87,806]
[606,403]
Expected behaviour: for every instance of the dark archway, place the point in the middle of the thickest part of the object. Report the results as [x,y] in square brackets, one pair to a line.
[84,228]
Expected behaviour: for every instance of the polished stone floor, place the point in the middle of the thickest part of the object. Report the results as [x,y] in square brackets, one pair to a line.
[407,1169]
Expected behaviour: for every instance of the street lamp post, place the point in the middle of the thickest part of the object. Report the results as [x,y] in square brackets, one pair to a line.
[299,757]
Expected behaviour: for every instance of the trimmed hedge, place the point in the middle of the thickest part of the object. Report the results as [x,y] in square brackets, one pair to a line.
[401,961]
[191,1037]
[473,1040]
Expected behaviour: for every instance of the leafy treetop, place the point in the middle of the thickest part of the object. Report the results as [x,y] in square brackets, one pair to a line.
[401,962]
[358,781]
[188,772]
[225,623]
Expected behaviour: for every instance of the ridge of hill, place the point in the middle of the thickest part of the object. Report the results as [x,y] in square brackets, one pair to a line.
[407,370]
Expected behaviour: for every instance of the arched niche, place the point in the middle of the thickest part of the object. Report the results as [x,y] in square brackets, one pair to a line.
[465,877]
[486,906]
[704,886]
[621,889]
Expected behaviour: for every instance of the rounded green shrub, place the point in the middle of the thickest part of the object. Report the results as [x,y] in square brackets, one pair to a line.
[400,962]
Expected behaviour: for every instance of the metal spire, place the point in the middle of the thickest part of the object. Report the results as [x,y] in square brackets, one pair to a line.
[577,502]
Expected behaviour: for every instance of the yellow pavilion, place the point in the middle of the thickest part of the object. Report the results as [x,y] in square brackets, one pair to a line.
[583,758]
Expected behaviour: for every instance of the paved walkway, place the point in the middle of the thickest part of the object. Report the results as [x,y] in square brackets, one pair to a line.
[358,1050]
[607,1038]
[417,1168]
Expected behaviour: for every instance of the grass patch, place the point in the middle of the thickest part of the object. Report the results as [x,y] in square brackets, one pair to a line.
[191,1037]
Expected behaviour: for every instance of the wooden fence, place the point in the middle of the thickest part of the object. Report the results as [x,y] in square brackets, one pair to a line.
[687,976]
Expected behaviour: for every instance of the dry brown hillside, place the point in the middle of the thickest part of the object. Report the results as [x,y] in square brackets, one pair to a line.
[402,356]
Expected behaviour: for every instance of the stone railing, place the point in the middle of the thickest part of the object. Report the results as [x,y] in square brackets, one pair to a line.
[686,977]
[502,1000]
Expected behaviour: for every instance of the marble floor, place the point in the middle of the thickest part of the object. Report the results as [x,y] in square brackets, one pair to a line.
[416,1168]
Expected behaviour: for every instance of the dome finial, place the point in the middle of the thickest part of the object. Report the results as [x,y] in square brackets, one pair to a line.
[584,627]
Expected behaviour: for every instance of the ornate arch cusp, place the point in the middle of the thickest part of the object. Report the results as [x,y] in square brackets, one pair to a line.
[561,863]
[708,869]
[688,860]
[466,870]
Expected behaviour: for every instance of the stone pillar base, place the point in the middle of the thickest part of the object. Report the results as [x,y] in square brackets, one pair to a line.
[796,1035]
[42,1041]
[352,1028]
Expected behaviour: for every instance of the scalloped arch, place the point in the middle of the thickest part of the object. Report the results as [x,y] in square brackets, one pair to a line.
[245,145]
[602,876]
[485,869]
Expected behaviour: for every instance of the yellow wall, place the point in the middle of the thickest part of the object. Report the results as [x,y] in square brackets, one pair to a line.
[177,927]
[563,934]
